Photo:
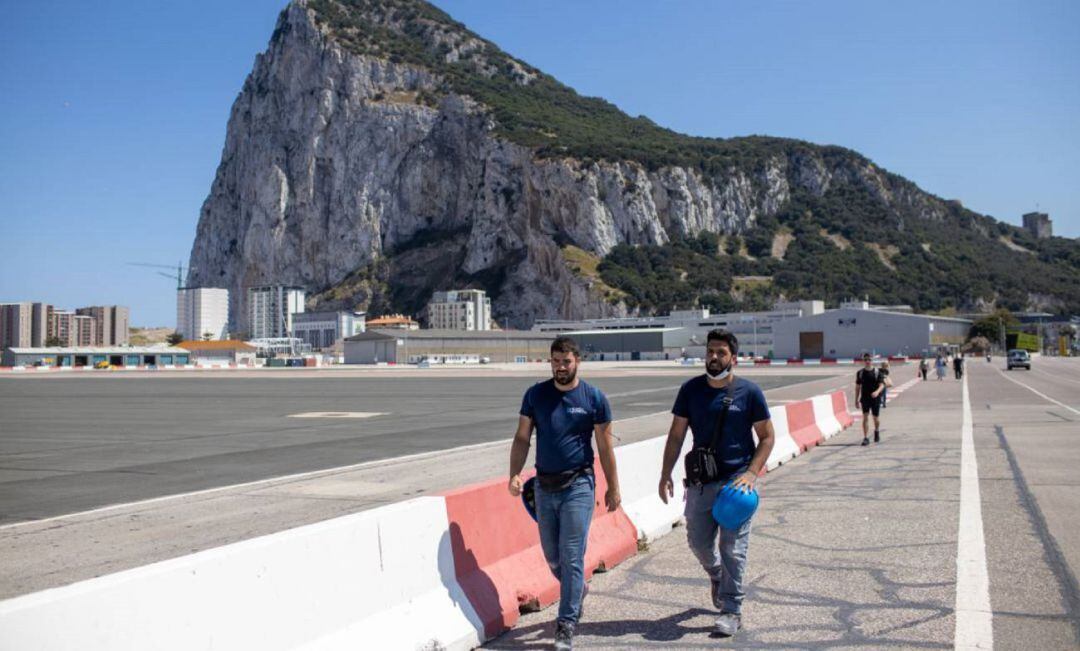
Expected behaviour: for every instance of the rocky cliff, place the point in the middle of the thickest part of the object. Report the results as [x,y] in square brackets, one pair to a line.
[365,161]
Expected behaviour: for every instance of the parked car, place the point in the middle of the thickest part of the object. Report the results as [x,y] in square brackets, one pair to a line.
[1018,358]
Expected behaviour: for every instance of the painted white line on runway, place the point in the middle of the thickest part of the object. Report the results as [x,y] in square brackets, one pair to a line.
[1037,392]
[974,619]
[641,391]
[259,482]
[338,414]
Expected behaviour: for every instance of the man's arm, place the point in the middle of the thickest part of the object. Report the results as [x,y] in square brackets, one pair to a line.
[858,386]
[519,452]
[676,436]
[766,439]
[607,462]
[880,387]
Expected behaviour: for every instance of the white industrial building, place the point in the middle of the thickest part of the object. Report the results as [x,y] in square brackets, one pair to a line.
[753,329]
[270,310]
[464,309]
[851,331]
[325,330]
[202,312]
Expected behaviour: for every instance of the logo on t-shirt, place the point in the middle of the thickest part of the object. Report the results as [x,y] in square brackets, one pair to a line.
[734,407]
[576,410]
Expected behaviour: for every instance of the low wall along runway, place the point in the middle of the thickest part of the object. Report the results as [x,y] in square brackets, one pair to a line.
[441,572]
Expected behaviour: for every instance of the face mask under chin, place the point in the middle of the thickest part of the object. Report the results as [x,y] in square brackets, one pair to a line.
[719,376]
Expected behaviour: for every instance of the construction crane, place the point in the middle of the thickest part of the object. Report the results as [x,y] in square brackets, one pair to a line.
[179,277]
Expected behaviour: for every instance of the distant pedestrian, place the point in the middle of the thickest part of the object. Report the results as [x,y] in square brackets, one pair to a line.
[958,366]
[886,380]
[566,413]
[724,413]
[924,367]
[868,389]
[939,367]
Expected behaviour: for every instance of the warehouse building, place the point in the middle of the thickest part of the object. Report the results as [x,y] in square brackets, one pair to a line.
[632,344]
[850,332]
[325,330]
[446,346]
[96,356]
[754,329]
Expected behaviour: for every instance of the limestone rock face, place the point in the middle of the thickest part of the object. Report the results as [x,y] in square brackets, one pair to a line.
[333,160]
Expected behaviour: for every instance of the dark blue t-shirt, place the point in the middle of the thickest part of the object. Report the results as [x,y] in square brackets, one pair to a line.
[701,405]
[564,424]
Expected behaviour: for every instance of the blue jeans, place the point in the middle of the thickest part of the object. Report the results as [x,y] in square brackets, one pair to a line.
[564,518]
[725,564]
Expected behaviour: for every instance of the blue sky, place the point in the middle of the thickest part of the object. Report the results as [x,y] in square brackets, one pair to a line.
[113,114]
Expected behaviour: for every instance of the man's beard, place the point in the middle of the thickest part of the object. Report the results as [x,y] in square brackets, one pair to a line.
[713,369]
[565,377]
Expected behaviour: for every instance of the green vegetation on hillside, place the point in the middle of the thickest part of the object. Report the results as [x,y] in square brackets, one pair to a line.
[961,267]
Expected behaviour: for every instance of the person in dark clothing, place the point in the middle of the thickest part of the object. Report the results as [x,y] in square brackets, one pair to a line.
[729,410]
[958,366]
[883,372]
[868,388]
[924,367]
[567,413]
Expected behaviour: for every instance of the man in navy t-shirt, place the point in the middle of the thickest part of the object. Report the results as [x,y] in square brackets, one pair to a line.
[698,407]
[566,413]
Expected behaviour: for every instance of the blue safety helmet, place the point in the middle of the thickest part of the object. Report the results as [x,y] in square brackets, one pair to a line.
[734,506]
[528,496]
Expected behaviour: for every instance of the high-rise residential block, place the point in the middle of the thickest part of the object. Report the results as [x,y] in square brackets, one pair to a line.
[270,310]
[202,312]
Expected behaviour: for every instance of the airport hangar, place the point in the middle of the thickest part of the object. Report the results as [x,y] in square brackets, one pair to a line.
[848,332]
[447,346]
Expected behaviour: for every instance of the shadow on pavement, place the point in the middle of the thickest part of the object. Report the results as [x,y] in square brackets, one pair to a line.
[667,629]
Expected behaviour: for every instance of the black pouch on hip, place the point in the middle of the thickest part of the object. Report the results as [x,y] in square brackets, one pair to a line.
[701,464]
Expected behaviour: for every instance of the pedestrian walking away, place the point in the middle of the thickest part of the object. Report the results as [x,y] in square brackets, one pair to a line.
[723,412]
[887,381]
[566,413]
[868,389]
[939,367]
[958,366]
[924,366]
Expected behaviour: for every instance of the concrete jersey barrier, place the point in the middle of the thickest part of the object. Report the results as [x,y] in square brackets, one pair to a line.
[380,579]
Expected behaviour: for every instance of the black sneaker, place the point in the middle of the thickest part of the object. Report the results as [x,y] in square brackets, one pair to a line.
[727,624]
[877,437]
[865,441]
[717,598]
[564,636]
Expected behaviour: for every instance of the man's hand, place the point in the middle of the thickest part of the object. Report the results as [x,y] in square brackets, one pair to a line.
[612,498]
[514,486]
[666,488]
[745,481]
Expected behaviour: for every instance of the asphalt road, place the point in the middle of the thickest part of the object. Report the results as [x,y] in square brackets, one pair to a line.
[857,547]
[73,444]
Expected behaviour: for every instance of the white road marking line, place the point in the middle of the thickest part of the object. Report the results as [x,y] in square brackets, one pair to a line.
[974,618]
[338,414]
[1037,392]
